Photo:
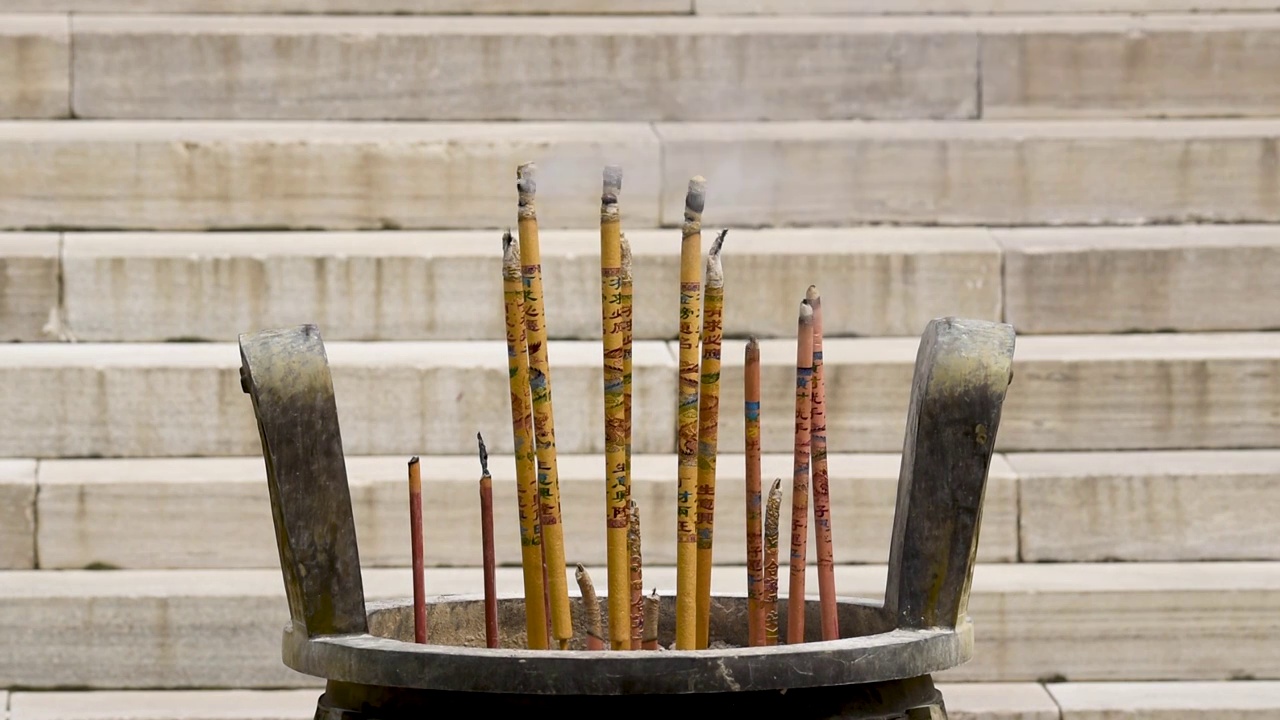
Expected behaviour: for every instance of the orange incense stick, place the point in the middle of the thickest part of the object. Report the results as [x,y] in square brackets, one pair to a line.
[709,429]
[821,483]
[590,607]
[486,539]
[415,535]
[772,519]
[755,538]
[800,477]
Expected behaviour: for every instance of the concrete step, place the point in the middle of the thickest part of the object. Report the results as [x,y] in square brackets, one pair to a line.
[376,7]
[1086,392]
[17,514]
[29,286]
[155,287]
[278,175]
[1167,700]
[221,628]
[215,513]
[947,7]
[730,69]
[35,66]
[969,701]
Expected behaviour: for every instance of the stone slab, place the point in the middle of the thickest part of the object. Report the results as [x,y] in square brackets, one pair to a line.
[1115,280]
[1167,700]
[1182,505]
[138,513]
[176,399]
[501,68]
[988,173]
[1123,66]
[965,7]
[362,7]
[158,286]
[333,176]
[18,515]
[29,285]
[1084,392]
[166,705]
[35,66]
[219,628]
[998,701]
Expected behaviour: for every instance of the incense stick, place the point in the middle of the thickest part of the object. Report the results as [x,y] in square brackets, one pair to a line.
[415,536]
[531,560]
[591,607]
[755,539]
[708,430]
[652,611]
[821,481]
[627,333]
[637,577]
[800,476]
[772,518]
[486,539]
[690,315]
[617,494]
[543,417]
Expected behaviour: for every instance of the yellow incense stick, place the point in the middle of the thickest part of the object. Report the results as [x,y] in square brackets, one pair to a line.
[821,482]
[772,518]
[637,577]
[800,477]
[687,491]
[543,417]
[628,329]
[522,429]
[709,429]
[617,494]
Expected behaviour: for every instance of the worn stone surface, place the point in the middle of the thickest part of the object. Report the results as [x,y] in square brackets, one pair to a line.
[581,68]
[1001,173]
[28,285]
[1181,505]
[369,7]
[195,176]
[153,287]
[166,705]
[17,514]
[998,701]
[217,628]
[35,66]
[146,400]
[876,7]
[1167,700]
[1170,66]
[136,513]
[1111,280]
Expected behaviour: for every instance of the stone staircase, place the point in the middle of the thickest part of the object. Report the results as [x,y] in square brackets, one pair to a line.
[1108,182]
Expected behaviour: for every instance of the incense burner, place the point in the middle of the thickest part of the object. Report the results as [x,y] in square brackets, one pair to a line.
[880,668]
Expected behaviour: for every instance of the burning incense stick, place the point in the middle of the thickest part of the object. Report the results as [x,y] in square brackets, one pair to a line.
[652,611]
[590,606]
[415,536]
[627,333]
[687,492]
[821,484]
[708,429]
[637,577]
[617,493]
[543,417]
[755,540]
[522,429]
[800,478]
[486,539]
[772,518]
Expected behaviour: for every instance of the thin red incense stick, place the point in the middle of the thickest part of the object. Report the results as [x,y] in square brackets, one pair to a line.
[800,477]
[821,482]
[486,533]
[415,534]
[755,511]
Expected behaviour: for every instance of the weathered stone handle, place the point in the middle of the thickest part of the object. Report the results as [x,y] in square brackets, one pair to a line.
[286,373]
[962,371]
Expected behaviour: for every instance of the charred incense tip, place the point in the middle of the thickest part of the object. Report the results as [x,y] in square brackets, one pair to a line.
[806,313]
[526,179]
[484,455]
[651,609]
[626,259]
[413,461]
[612,180]
[696,199]
[510,256]
[719,243]
[777,487]
[715,268]
[812,296]
[753,349]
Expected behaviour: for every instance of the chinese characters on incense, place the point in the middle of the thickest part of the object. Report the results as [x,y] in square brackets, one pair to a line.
[632,617]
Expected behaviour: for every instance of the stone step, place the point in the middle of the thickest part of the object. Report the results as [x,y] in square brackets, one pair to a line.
[35,66]
[1084,392]
[938,7]
[221,628]
[1167,700]
[734,69]
[150,287]
[285,175]
[215,512]
[155,287]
